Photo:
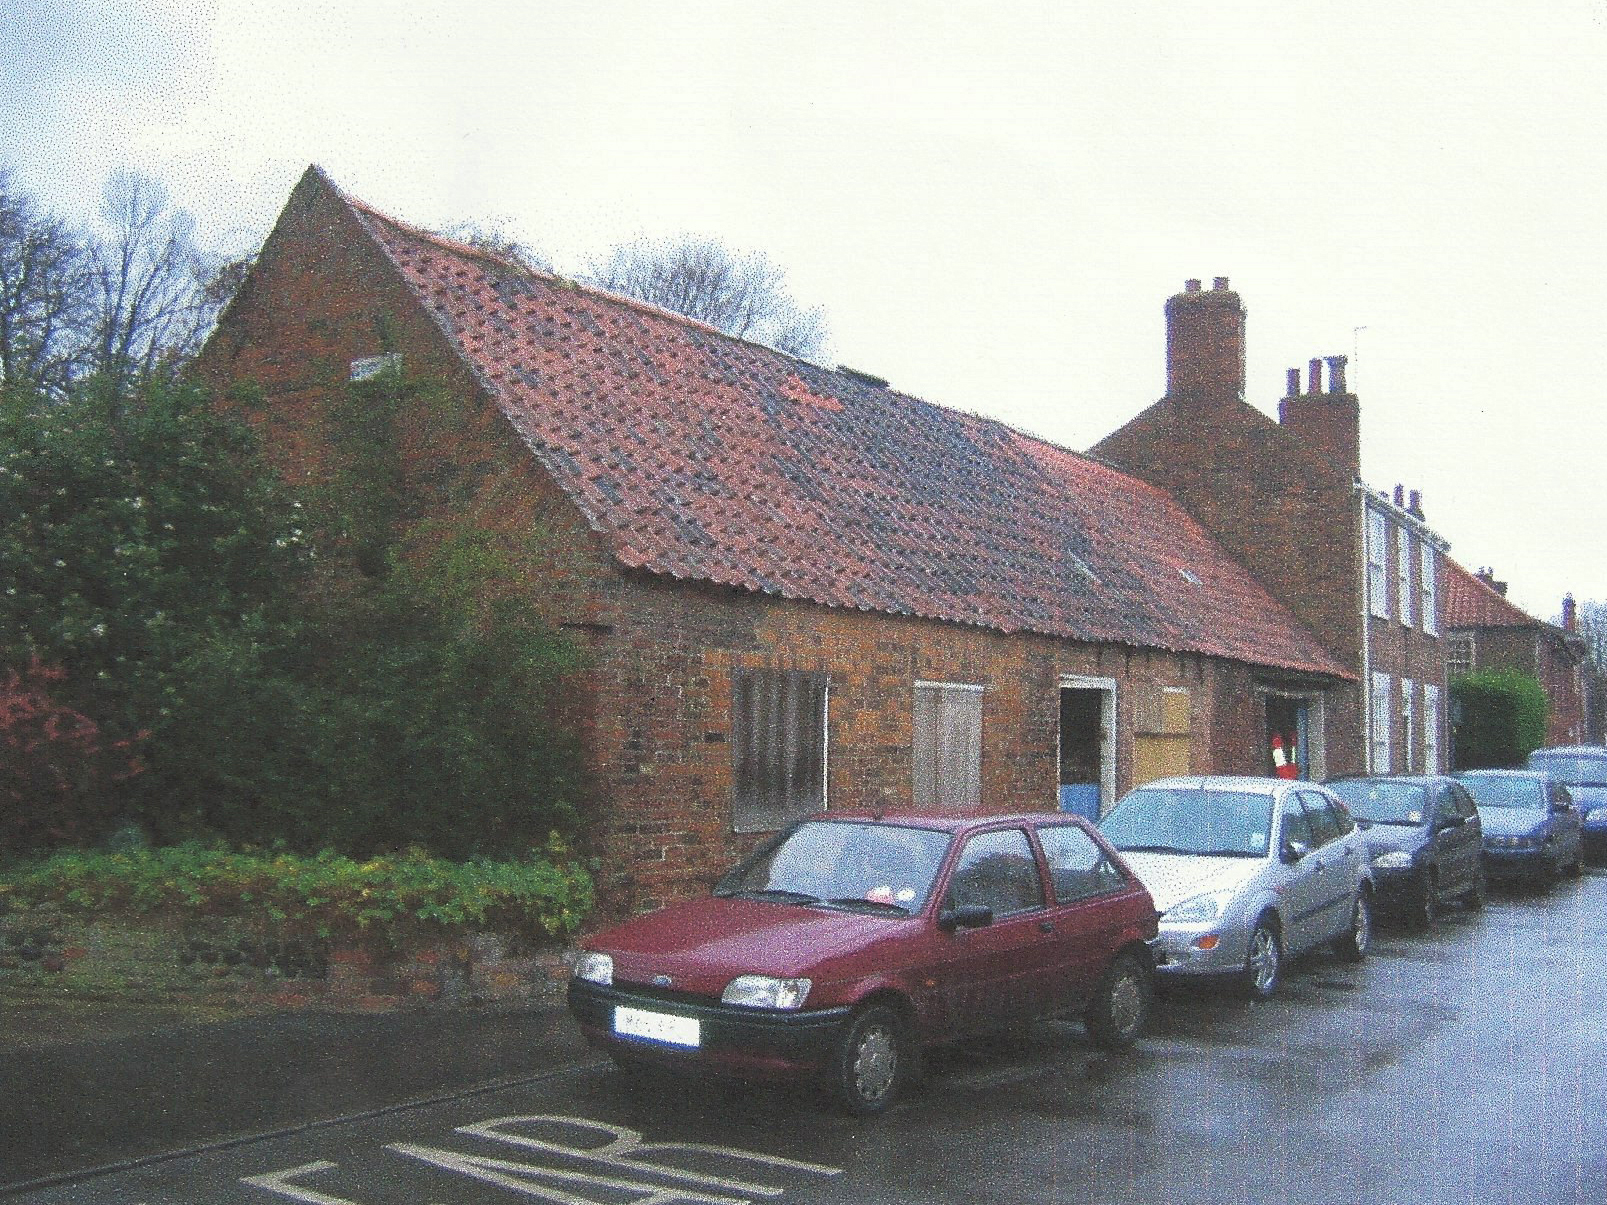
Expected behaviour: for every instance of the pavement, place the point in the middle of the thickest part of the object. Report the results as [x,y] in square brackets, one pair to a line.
[104,1087]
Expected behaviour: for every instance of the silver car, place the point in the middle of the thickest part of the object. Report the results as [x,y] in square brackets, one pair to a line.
[1246,872]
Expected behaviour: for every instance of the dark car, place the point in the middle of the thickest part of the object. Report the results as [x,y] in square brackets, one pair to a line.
[847,943]
[1426,841]
[1583,770]
[1531,827]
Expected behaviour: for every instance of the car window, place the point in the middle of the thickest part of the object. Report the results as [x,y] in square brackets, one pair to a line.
[821,861]
[1503,791]
[1560,793]
[1326,824]
[1078,868]
[1445,805]
[1464,802]
[997,870]
[1382,800]
[1191,820]
[1575,769]
[1296,824]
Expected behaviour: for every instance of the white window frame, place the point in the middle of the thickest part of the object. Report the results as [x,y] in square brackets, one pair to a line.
[1429,581]
[1403,575]
[1408,722]
[1378,563]
[1431,728]
[1381,715]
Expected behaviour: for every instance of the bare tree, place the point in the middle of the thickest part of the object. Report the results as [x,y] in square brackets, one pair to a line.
[741,294]
[43,294]
[1590,620]
[494,239]
[150,301]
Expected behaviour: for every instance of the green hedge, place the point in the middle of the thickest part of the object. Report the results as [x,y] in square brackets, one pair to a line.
[327,894]
[1500,716]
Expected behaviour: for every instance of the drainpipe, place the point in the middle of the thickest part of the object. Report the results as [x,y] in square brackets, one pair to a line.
[1366,637]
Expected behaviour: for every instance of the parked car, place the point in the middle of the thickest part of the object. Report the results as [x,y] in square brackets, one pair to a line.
[1531,828]
[1583,770]
[847,943]
[1246,872]
[1425,838]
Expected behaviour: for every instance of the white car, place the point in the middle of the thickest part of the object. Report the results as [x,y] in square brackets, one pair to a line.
[1246,873]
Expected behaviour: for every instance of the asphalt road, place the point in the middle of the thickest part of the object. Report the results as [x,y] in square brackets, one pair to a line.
[1467,1065]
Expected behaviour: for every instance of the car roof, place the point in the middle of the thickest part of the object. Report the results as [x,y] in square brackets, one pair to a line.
[1502,774]
[1417,779]
[949,822]
[1246,783]
[1571,751]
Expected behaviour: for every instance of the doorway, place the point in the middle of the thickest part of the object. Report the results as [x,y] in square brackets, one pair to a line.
[1288,739]
[1087,727]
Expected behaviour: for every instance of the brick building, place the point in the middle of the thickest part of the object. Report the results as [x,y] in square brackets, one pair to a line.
[1361,569]
[798,587]
[1486,631]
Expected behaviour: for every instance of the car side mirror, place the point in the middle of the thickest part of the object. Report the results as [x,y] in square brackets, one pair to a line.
[966,916]
[1293,851]
[1450,821]
[1559,807]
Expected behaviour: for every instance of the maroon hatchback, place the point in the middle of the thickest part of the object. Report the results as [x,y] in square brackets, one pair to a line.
[847,943]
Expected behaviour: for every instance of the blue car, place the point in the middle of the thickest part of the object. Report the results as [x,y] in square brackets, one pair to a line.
[1583,770]
[1531,827]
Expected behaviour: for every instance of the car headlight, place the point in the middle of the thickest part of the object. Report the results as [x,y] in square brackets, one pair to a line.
[595,968]
[1200,910]
[1395,859]
[761,991]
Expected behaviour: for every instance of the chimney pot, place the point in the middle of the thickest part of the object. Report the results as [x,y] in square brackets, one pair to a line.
[1314,376]
[1400,497]
[1569,618]
[1336,373]
[1414,503]
[1219,282]
[1294,383]
[1191,286]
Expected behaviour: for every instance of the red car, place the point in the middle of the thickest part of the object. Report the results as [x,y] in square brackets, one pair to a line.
[847,943]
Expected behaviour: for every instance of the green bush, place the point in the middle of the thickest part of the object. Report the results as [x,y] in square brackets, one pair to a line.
[1500,715]
[544,896]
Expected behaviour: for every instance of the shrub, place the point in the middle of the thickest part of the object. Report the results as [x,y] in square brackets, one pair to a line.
[543,896]
[54,764]
[1500,715]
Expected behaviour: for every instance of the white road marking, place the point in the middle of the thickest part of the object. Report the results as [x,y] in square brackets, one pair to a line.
[276,1182]
[527,1178]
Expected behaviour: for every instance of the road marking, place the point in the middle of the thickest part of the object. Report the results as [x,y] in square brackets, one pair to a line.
[627,1150]
[622,1148]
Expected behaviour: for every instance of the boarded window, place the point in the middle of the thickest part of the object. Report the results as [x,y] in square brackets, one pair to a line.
[1408,722]
[778,747]
[948,745]
[1459,656]
[1431,728]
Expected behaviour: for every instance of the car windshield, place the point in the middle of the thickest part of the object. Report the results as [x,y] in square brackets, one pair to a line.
[1191,820]
[1577,770]
[1382,802]
[862,866]
[1501,792]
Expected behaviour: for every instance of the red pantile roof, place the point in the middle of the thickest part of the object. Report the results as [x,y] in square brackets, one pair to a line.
[700,456]
[1469,603]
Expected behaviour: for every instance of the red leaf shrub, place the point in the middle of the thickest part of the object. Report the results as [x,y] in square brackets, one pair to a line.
[54,767]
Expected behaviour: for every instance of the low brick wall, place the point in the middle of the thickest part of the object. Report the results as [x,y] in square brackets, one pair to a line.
[47,953]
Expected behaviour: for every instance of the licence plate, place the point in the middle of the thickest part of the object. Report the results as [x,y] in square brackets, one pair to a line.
[660,1027]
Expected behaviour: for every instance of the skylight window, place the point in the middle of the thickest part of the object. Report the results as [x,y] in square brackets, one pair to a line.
[1190,577]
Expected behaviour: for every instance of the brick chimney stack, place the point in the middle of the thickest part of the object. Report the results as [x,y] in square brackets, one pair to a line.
[1327,421]
[1570,616]
[1205,343]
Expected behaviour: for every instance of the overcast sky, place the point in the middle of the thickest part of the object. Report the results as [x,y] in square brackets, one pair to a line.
[991,201]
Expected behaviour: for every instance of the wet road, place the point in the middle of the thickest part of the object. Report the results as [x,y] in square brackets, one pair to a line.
[1460,1066]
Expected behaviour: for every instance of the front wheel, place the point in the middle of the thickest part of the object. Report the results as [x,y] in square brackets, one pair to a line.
[1263,965]
[1120,1007]
[1423,901]
[1352,945]
[1481,886]
[872,1061]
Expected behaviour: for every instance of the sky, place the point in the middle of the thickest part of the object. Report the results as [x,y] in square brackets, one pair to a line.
[991,202]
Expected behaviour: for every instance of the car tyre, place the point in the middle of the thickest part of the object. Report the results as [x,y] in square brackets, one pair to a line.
[1423,905]
[1577,866]
[1263,965]
[872,1061]
[1121,1005]
[1481,887]
[1352,945]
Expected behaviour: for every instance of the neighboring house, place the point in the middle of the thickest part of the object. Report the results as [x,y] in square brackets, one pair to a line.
[1360,569]
[798,587]
[1486,631]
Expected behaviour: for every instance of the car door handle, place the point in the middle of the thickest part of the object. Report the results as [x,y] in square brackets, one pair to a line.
[1046,926]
